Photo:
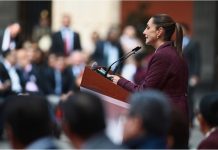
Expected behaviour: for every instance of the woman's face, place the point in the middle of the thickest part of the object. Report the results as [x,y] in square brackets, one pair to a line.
[151,33]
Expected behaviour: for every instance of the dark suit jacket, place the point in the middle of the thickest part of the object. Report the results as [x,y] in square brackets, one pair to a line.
[68,82]
[4,76]
[26,77]
[99,56]
[167,72]
[58,43]
[210,142]
[192,55]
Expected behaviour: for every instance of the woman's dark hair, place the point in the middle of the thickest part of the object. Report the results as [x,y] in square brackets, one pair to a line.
[169,25]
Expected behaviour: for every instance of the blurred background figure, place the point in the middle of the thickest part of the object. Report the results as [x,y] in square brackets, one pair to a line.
[148,121]
[129,41]
[109,50]
[95,37]
[42,32]
[77,62]
[8,73]
[191,52]
[28,123]
[28,73]
[11,38]
[208,119]
[84,122]
[66,40]
[59,78]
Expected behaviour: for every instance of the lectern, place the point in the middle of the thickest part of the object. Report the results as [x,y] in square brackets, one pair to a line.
[114,99]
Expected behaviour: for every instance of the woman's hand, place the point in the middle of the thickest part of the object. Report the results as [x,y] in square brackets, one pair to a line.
[114,78]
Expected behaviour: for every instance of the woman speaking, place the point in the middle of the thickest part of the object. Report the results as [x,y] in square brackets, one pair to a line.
[167,70]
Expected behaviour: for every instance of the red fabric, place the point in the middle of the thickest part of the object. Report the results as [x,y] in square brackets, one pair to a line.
[211,142]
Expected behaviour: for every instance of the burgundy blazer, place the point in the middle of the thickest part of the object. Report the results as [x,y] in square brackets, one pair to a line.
[167,72]
[211,142]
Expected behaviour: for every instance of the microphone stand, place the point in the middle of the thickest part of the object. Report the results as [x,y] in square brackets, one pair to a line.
[122,58]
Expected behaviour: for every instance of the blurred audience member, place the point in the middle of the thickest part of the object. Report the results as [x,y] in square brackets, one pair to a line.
[95,37]
[11,38]
[208,119]
[66,40]
[77,62]
[9,74]
[28,73]
[84,122]
[28,123]
[191,52]
[59,79]
[109,50]
[42,32]
[129,41]
[148,120]
[178,135]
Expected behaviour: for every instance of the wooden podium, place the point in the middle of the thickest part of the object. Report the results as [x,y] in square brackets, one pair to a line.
[114,99]
[96,82]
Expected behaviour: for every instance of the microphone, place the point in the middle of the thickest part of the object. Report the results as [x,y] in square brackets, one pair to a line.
[94,65]
[133,51]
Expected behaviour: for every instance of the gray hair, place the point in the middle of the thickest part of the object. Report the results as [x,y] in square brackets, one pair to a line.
[153,108]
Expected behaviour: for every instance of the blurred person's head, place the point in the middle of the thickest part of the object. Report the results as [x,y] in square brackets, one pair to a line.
[208,112]
[51,59]
[14,29]
[95,36]
[129,31]
[160,28]
[76,58]
[44,20]
[60,63]
[10,56]
[26,119]
[148,116]
[37,56]
[113,34]
[22,58]
[83,117]
[66,20]
[178,135]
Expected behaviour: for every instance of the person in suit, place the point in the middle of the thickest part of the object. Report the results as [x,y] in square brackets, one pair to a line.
[66,40]
[109,50]
[11,38]
[167,70]
[28,122]
[84,122]
[28,73]
[191,52]
[147,121]
[59,78]
[9,74]
[208,120]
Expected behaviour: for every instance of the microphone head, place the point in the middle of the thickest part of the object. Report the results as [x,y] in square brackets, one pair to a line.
[94,65]
[136,48]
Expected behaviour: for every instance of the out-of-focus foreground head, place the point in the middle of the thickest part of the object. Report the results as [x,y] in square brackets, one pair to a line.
[83,116]
[26,119]
[149,115]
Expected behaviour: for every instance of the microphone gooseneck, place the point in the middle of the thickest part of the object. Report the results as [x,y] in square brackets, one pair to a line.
[133,51]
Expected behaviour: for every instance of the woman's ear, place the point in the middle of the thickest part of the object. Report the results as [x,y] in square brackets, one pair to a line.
[160,32]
